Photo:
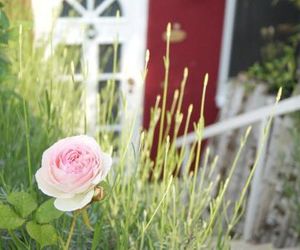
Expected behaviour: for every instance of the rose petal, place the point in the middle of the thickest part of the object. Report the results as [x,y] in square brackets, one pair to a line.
[48,189]
[90,141]
[74,203]
[106,162]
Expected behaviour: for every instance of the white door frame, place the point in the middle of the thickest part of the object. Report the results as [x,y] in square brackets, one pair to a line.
[226,48]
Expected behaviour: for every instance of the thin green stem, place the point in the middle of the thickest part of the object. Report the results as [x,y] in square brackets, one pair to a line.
[199,130]
[259,152]
[220,197]
[28,151]
[86,219]
[166,83]
[71,231]
[158,206]
[20,51]
[17,241]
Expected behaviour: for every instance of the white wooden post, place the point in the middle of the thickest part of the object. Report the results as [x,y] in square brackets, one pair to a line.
[91,62]
[256,184]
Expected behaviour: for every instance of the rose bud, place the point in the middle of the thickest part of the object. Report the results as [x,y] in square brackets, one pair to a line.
[99,194]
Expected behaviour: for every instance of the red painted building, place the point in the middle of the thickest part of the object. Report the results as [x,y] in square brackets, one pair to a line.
[195,43]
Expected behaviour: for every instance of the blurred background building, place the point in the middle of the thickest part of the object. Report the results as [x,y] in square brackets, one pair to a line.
[218,37]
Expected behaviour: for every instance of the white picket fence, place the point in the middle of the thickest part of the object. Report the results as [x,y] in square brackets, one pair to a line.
[259,115]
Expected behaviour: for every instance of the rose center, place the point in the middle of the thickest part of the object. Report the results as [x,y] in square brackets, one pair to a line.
[75,161]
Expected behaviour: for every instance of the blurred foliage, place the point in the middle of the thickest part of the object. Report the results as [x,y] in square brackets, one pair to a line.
[13,105]
[278,67]
[18,10]
[4,38]
[296,3]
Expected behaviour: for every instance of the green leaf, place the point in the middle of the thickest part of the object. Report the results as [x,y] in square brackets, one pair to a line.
[97,235]
[9,219]
[13,33]
[47,212]
[23,203]
[4,22]
[4,58]
[4,36]
[45,234]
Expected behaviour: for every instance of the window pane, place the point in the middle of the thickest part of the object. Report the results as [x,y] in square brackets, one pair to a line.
[69,11]
[112,9]
[98,2]
[69,54]
[83,3]
[111,138]
[106,58]
[109,92]
[73,53]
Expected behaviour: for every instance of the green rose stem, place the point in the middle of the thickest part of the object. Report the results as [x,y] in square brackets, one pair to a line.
[75,214]
[86,219]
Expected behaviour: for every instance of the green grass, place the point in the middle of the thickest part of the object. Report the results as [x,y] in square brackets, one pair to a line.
[148,207]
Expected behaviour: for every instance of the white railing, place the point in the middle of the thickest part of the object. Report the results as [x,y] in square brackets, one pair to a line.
[283,107]
[261,115]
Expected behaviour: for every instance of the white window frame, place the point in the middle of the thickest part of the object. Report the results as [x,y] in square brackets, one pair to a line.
[133,36]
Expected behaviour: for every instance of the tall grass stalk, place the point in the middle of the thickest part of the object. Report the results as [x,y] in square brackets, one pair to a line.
[28,152]
[166,84]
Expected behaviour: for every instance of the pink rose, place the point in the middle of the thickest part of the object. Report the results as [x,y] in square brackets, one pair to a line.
[71,168]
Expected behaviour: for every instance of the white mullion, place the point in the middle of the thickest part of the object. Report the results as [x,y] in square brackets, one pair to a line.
[103,6]
[107,76]
[77,78]
[90,5]
[77,6]
[112,127]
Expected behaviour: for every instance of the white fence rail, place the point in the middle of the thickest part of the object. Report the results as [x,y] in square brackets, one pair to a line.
[286,106]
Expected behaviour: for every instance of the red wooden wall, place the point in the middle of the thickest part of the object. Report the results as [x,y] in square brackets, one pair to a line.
[202,21]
